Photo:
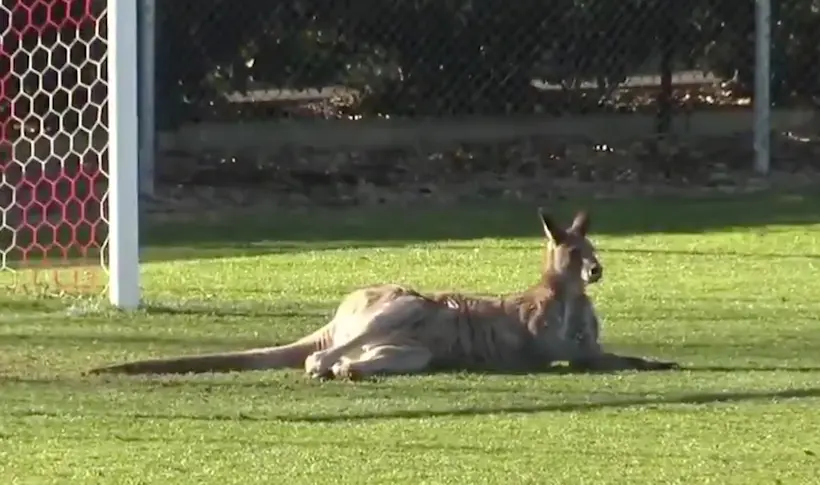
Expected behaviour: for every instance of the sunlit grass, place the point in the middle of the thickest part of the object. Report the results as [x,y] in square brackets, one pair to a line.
[730,296]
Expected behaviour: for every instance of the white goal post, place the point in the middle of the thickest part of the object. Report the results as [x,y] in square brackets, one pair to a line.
[123,149]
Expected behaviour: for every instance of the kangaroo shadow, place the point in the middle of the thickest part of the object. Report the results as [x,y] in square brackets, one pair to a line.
[700,398]
[692,399]
[567,370]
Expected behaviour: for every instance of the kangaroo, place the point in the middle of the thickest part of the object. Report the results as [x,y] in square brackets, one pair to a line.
[391,329]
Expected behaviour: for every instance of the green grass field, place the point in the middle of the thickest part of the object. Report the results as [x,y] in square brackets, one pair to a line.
[726,287]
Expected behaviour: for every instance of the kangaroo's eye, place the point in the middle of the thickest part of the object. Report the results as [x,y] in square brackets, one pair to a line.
[575,252]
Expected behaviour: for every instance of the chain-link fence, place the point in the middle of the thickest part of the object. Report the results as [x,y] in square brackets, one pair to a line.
[438,59]
[294,93]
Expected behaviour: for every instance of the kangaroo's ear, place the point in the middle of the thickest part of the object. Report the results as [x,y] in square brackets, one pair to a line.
[552,230]
[580,225]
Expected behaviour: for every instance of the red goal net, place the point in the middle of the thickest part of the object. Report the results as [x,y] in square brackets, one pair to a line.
[53,144]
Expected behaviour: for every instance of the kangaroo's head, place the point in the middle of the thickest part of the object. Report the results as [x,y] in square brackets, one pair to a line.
[570,256]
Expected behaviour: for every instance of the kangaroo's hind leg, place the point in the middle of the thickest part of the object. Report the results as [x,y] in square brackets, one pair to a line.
[384,359]
[367,330]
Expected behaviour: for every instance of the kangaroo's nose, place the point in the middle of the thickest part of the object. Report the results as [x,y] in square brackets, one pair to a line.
[596,271]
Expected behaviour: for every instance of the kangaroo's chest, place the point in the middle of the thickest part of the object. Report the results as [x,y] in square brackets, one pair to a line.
[568,325]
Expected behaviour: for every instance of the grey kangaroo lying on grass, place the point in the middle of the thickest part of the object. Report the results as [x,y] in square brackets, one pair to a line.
[391,329]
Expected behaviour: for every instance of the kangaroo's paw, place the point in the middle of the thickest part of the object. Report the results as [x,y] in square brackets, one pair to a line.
[346,369]
[317,366]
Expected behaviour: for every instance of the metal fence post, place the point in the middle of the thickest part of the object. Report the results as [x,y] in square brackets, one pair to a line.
[762,101]
[147,98]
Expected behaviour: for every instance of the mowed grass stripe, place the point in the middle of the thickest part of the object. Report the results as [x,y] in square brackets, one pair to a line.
[725,287]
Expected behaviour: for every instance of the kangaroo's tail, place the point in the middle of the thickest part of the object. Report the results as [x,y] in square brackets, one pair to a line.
[284,356]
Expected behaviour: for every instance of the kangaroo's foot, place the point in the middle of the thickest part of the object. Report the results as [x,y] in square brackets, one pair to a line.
[318,365]
[383,359]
